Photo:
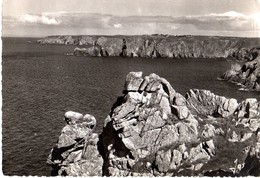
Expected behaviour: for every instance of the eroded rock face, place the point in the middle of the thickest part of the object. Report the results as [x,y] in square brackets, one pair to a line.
[152,130]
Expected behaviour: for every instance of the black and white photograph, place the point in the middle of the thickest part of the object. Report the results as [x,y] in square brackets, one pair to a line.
[133,88]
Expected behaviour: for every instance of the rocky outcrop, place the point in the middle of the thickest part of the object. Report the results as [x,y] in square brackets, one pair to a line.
[75,153]
[159,46]
[152,130]
[248,74]
[206,103]
[155,131]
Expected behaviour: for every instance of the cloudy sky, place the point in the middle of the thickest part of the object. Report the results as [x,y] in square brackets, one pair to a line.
[131,17]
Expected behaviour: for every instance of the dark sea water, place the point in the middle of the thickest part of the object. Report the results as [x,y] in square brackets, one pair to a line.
[40,84]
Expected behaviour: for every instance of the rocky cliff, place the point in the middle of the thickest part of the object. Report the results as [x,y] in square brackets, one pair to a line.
[152,130]
[247,74]
[159,46]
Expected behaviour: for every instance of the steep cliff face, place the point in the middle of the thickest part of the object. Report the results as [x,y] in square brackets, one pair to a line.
[248,74]
[152,130]
[160,46]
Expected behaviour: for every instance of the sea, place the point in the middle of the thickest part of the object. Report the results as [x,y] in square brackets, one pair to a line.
[41,82]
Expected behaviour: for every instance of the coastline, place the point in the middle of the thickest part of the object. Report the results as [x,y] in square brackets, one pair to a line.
[159,46]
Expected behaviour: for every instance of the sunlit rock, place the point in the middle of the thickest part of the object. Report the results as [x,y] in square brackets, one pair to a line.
[154,131]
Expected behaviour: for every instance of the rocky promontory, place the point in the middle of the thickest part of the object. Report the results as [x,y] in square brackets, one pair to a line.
[153,46]
[152,130]
[247,74]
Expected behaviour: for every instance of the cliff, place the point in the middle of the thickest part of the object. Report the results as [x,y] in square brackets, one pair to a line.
[247,74]
[152,130]
[159,46]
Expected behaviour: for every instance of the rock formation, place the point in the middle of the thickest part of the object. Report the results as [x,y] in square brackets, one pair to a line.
[159,46]
[248,74]
[75,153]
[152,130]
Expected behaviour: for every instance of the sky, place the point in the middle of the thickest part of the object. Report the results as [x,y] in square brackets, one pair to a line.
[131,17]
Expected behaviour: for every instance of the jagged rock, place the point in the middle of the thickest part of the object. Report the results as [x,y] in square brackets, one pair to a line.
[153,123]
[249,108]
[76,131]
[239,138]
[247,75]
[182,112]
[252,162]
[145,123]
[76,152]
[252,123]
[133,81]
[169,159]
[65,141]
[209,131]
[207,103]
[154,131]
[83,162]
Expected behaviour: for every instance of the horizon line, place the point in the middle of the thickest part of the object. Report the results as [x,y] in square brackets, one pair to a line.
[155,34]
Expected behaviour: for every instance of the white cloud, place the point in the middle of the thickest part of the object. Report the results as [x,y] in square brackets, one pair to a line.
[118,25]
[228,21]
[40,19]
[29,18]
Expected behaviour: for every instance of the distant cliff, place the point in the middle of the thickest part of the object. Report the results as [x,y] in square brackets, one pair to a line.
[248,74]
[159,46]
